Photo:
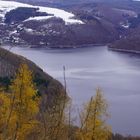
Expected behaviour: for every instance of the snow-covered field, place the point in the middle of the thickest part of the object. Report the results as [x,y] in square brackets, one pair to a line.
[6,6]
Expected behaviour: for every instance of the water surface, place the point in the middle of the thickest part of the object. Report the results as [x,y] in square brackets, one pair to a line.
[117,74]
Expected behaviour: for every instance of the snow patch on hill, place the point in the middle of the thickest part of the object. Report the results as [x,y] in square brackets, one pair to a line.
[39,18]
[6,6]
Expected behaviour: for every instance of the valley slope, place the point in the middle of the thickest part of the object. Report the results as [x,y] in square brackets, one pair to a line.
[47,87]
[36,26]
[86,22]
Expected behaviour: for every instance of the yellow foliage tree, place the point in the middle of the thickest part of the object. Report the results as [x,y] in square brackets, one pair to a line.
[19,107]
[93,120]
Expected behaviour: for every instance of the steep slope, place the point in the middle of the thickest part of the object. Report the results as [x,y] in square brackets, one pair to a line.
[46,85]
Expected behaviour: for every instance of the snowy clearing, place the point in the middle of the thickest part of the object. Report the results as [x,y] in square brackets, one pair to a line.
[6,6]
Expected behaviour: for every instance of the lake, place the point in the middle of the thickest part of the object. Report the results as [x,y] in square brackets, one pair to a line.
[117,74]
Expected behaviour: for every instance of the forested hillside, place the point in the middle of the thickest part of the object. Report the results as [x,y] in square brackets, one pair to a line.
[9,63]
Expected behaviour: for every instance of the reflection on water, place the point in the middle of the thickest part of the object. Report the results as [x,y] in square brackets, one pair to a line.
[118,74]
